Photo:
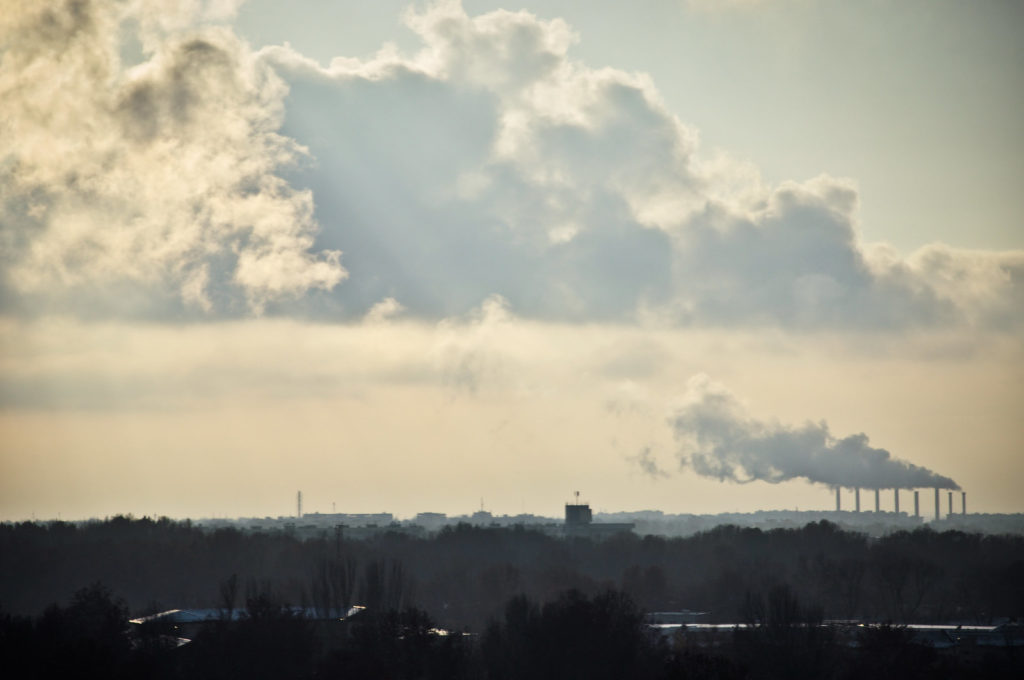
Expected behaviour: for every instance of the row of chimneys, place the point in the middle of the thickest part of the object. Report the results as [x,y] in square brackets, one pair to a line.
[917,506]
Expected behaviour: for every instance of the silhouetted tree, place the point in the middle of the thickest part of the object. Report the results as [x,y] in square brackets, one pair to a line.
[269,641]
[386,586]
[783,638]
[571,637]
[87,634]
[393,645]
[229,596]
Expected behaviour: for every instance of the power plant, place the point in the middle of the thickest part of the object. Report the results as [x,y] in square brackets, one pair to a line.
[896,501]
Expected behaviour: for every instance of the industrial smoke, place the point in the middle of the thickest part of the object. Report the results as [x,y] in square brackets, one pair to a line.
[717,438]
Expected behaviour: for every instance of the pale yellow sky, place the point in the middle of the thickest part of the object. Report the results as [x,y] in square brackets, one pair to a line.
[402,417]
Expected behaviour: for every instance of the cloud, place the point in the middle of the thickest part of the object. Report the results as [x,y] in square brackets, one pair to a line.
[467,351]
[162,176]
[797,262]
[386,309]
[440,197]
[491,162]
[718,439]
[986,286]
[214,180]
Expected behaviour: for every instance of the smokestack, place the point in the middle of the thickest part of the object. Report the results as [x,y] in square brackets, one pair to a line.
[837,499]
[896,498]
[299,503]
[950,504]
[937,512]
[917,504]
[963,502]
[878,505]
[856,497]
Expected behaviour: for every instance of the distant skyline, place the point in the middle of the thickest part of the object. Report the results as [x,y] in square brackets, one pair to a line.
[690,256]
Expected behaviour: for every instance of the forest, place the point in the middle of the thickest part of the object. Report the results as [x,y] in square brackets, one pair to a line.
[481,602]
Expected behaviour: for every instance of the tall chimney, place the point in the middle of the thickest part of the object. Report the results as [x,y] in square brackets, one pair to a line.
[896,498]
[878,505]
[856,497]
[917,504]
[937,513]
[837,499]
[963,501]
[299,504]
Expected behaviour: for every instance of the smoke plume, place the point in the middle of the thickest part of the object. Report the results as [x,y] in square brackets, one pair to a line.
[718,439]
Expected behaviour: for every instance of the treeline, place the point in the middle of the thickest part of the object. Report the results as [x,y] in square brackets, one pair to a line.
[572,637]
[464,576]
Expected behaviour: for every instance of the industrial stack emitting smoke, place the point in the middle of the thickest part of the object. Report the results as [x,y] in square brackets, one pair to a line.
[896,502]
[717,438]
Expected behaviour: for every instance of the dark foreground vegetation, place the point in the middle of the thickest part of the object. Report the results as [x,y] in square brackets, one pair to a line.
[571,637]
[512,603]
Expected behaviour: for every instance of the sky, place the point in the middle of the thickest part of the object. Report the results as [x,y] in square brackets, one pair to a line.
[690,256]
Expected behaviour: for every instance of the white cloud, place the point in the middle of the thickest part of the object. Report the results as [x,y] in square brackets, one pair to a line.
[987,286]
[162,176]
[488,163]
[574,193]
[798,262]
[386,309]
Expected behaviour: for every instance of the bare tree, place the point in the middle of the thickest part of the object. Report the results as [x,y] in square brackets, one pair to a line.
[229,596]
[386,586]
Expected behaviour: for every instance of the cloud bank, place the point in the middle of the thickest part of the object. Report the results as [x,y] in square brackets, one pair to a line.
[718,439]
[212,180]
[491,163]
